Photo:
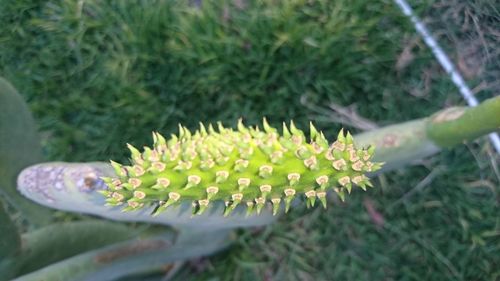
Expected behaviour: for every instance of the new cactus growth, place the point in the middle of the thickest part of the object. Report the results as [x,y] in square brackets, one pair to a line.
[246,166]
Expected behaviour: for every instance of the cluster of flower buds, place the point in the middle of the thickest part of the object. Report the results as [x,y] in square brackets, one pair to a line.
[247,166]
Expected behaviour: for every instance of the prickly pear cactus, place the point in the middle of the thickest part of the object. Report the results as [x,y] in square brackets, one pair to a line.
[245,166]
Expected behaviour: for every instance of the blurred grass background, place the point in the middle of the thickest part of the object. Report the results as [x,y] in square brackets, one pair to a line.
[98,74]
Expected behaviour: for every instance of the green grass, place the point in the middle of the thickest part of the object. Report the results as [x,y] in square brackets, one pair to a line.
[467,31]
[105,73]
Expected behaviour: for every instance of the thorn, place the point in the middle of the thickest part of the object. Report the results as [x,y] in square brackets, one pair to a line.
[337,147]
[260,204]
[135,182]
[265,189]
[173,196]
[237,197]
[241,165]
[211,191]
[302,152]
[228,209]
[348,187]
[311,163]
[317,148]
[181,131]
[357,166]
[221,176]
[267,127]
[203,130]
[250,207]
[322,181]
[288,201]
[163,206]
[276,205]
[146,154]
[157,167]
[340,193]
[243,183]
[340,136]
[174,140]
[211,130]
[220,127]
[246,153]
[377,166]
[349,139]
[286,132]
[311,198]
[134,151]
[293,178]
[265,171]
[151,155]
[117,183]
[118,169]
[241,127]
[231,206]
[139,194]
[289,192]
[222,160]
[368,183]
[365,155]
[160,140]
[187,133]
[192,180]
[206,164]
[108,180]
[155,139]
[294,129]
[134,204]
[322,197]
[371,150]
[344,180]
[203,203]
[128,186]
[276,156]
[321,140]
[339,165]
[313,131]
[161,183]
[117,196]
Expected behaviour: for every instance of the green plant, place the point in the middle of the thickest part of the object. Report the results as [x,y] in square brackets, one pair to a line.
[246,166]
[146,249]
[98,74]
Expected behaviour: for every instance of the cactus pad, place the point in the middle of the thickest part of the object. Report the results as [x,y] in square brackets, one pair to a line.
[246,166]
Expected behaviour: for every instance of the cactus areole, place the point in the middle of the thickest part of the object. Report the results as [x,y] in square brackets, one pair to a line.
[246,166]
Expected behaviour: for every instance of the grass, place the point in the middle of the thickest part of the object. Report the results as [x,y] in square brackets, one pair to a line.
[99,74]
[105,74]
[467,30]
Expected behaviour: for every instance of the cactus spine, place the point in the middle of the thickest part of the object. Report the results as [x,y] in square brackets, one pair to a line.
[246,166]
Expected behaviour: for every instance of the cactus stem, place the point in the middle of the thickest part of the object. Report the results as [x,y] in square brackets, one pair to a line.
[198,167]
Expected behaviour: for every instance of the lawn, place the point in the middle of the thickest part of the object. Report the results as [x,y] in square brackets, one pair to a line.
[98,74]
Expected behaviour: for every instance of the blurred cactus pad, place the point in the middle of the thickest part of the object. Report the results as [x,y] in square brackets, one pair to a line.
[246,166]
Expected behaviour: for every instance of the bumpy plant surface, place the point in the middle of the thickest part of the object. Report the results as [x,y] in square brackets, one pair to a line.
[246,166]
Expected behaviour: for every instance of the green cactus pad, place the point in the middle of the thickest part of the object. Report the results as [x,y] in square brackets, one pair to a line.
[246,166]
